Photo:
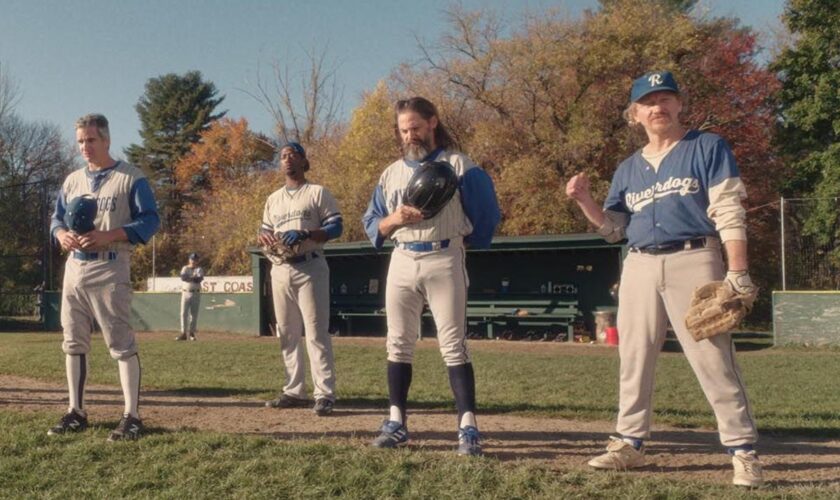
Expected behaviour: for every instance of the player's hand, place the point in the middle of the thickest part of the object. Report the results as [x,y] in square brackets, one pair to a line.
[405,215]
[68,240]
[578,187]
[742,284]
[95,239]
[266,238]
[294,236]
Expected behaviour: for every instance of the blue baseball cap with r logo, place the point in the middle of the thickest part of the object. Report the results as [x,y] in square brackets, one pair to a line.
[653,82]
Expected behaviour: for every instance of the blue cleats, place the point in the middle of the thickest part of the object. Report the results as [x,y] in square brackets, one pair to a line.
[392,434]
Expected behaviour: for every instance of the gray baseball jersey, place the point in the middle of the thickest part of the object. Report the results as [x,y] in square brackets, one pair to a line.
[300,288]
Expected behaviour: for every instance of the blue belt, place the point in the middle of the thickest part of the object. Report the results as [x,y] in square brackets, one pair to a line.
[110,255]
[424,246]
[297,259]
[676,247]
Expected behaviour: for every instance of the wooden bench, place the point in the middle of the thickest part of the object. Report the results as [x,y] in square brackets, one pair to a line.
[489,312]
[515,311]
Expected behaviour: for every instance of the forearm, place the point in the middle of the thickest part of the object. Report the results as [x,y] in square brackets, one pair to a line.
[736,254]
[388,225]
[592,211]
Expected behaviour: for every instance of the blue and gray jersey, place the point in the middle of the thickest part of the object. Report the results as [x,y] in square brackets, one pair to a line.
[695,192]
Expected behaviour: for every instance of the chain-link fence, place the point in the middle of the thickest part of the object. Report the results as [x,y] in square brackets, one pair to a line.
[810,243]
[25,256]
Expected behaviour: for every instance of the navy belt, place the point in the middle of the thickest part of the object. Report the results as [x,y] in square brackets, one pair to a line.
[424,246]
[110,255]
[297,259]
[676,247]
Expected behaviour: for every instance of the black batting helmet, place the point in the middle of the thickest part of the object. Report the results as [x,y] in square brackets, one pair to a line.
[431,187]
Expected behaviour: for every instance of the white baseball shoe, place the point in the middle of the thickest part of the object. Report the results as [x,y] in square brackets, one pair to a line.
[620,455]
[747,469]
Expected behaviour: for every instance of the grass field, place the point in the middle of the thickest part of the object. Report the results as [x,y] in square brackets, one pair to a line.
[793,393]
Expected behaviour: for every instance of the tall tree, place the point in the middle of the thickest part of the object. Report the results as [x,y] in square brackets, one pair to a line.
[809,131]
[174,111]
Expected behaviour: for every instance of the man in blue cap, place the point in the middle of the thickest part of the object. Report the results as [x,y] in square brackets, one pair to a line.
[191,277]
[677,201]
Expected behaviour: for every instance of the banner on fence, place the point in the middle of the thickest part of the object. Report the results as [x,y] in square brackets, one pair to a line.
[223,284]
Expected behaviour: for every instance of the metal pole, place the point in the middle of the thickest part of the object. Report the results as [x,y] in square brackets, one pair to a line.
[782,215]
[154,278]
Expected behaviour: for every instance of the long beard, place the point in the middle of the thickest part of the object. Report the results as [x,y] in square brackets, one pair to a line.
[416,152]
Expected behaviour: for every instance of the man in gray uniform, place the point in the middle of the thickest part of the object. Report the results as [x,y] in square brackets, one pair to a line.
[191,277]
[428,265]
[97,284]
[303,216]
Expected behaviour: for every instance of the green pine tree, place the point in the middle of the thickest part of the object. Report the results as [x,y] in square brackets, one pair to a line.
[174,111]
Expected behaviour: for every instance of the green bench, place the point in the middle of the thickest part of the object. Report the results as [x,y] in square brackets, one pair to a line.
[489,312]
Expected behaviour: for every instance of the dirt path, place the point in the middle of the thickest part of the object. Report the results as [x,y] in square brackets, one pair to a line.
[561,444]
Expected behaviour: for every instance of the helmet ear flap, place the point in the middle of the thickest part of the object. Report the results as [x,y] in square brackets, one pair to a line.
[431,187]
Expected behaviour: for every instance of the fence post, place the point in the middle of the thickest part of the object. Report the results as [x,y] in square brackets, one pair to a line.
[782,215]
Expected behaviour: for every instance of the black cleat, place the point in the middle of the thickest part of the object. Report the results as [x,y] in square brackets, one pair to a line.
[72,421]
[129,428]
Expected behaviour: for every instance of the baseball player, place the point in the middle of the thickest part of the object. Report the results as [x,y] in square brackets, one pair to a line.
[677,201]
[97,286]
[428,265]
[191,277]
[303,216]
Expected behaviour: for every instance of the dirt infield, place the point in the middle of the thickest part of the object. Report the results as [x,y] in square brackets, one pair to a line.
[557,443]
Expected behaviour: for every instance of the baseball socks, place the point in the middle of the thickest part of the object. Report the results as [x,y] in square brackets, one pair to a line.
[399,382]
[462,382]
[76,365]
[130,382]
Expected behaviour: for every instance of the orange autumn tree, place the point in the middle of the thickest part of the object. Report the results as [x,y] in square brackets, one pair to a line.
[227,152]
[226,178]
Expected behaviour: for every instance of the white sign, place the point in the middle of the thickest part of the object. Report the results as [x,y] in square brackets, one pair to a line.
[218,284]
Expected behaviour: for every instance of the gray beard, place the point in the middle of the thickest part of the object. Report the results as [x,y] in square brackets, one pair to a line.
[415,152]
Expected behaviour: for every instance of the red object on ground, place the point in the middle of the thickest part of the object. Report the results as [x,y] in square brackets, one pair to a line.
[612,335]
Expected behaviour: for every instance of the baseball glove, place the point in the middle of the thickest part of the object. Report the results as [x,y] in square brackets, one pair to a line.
[715,309]
[278,253]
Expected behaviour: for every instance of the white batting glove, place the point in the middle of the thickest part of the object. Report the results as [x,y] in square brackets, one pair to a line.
[742,284]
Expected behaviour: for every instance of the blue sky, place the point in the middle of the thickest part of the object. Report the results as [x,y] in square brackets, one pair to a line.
[72,57]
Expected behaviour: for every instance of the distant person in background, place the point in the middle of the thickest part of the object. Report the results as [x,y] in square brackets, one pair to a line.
[191,276]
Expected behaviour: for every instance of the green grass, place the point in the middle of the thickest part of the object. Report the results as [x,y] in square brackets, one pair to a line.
[212,465]
[792,390]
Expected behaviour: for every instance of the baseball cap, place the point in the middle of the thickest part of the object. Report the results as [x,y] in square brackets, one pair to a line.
[193,256]
[296,147]
[653,82]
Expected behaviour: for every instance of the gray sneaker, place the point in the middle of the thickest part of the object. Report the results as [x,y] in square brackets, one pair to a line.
[181,337]
[392,434]
[323,407]
[469,441]
[129,428]
[286,401]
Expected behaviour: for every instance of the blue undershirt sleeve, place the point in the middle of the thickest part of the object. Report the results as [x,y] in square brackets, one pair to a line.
[333,229]
[376,211]
[145,220]
[478,197]
[57,220]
